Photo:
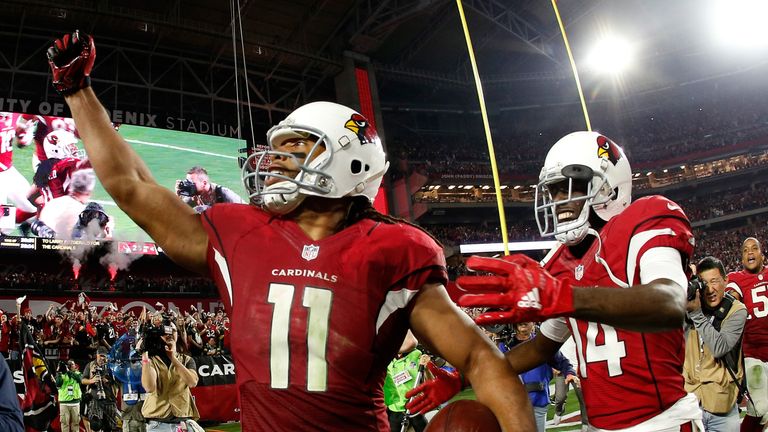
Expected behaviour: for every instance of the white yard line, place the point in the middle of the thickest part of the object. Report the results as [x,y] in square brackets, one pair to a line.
[154,144]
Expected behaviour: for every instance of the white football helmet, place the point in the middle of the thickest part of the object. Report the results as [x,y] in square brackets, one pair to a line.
[352,164]
[60,144]
[587,157]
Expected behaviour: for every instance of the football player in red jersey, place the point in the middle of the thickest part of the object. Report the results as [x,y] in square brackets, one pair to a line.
[750,285]
[320,287]
[13,185]
[616,283]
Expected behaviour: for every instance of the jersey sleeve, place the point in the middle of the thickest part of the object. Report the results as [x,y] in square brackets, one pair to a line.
[218,252]
[733,284]
[663,224]
[422,262]
[555,329]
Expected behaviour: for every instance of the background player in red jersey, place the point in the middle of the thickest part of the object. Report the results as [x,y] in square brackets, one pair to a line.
[13,186]
[321,287]
[750,285]
[615,283]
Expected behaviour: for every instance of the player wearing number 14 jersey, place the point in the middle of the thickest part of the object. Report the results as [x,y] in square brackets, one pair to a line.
[750,285]
[321,288]
[615,284]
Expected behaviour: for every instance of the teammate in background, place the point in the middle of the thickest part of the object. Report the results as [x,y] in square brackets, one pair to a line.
[13,185]
[54,175]
[749,286]
[331,284]
[616,283]
[198,192]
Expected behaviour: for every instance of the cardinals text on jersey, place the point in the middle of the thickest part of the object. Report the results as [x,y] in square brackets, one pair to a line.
[627,377]
[317,339]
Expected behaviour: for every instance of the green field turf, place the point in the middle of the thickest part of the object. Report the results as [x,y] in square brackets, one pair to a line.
[169,154]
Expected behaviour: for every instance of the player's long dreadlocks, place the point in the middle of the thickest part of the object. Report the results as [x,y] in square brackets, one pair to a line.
[360,208]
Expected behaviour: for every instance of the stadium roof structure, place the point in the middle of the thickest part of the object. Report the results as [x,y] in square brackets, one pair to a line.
[416,46]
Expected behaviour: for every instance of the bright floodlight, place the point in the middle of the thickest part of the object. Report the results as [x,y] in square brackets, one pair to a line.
[611,55]
[740,23]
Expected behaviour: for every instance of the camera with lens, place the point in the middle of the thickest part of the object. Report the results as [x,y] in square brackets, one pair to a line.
[696,284]
[152,336]
[99,371]
[187,188]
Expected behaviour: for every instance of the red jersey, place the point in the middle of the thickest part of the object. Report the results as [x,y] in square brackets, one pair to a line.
[753,289]
[7,133]
[315,323]
[627,377]
[54,176]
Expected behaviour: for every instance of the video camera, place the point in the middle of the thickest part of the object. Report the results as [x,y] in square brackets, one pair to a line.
[696,284]
[187,188]
[152,336]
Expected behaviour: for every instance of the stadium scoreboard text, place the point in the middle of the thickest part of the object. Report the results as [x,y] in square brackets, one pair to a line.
[49,244]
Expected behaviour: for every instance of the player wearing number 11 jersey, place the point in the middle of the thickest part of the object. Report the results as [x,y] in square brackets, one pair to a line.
[321,288]
[750,285]
[615,284]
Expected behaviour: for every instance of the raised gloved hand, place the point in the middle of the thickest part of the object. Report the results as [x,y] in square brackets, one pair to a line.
[434,392]
[71,59]
[520,287]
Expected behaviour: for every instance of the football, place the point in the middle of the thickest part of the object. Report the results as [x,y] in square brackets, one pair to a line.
[464,416]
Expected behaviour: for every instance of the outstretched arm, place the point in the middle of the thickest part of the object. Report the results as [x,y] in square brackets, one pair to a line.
[158,211]
[439,324]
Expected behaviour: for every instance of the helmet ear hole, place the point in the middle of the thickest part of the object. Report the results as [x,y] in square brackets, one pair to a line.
[367,167]
[356,167]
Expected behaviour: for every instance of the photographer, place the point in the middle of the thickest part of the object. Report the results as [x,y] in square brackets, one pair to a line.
[167,376]
[713,362]
[199,193]
[102,409]
[68,382]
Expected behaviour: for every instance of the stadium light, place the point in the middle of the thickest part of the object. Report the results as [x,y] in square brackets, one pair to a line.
[451,187]
[740,23]
[611,55]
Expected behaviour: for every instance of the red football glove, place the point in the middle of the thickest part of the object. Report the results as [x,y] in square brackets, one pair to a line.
[522,288]
[432,393]
[71,59]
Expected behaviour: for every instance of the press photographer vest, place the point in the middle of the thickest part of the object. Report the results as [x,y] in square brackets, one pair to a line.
[708,377]
[172,398]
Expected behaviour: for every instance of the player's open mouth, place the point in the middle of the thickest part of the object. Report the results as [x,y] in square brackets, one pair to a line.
[751,260]
[565,216]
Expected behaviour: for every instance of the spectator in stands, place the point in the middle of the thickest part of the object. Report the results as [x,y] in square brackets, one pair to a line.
[5,335]
[10,412]
[200,193]
[713,360]
[168,377]
[68,382]
[748,286]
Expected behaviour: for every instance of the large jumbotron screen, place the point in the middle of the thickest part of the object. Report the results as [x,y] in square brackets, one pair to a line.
[169,155]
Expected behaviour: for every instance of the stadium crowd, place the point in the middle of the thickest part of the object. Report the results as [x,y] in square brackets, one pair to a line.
[76,329]
[130,284]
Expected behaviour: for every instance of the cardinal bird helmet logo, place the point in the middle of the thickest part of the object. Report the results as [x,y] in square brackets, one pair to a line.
[362,128]
[606,149]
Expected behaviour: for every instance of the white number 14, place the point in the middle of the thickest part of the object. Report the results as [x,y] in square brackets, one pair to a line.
[611,351]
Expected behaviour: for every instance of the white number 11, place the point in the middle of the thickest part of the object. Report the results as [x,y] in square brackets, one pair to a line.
[318,301]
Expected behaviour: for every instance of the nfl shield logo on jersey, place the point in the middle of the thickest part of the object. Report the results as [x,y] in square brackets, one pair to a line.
[310,252]
[578,272]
